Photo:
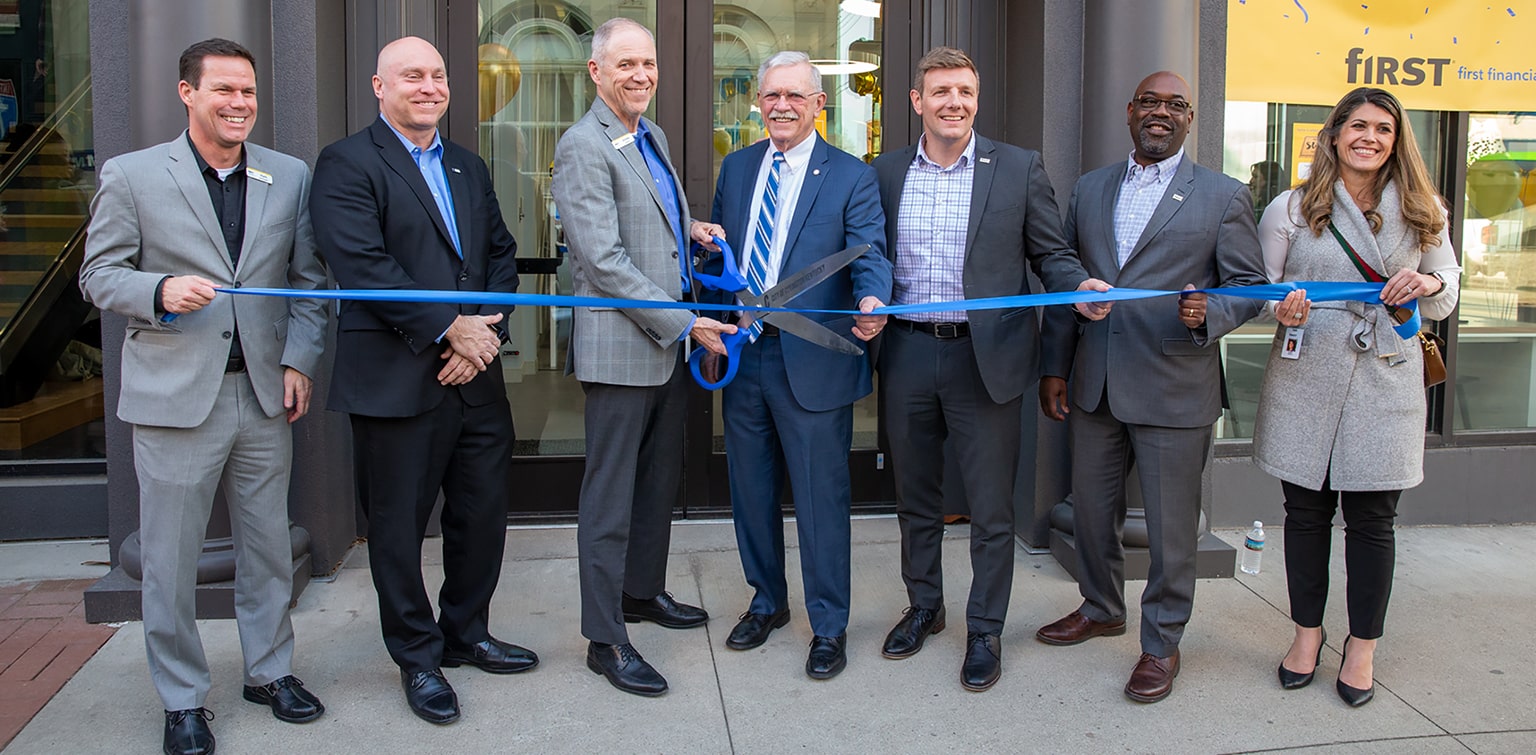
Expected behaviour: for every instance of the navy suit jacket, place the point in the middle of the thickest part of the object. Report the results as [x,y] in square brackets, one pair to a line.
[838,208]
[378,226]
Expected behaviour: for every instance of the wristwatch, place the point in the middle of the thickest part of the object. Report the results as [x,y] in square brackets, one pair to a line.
[1443,283]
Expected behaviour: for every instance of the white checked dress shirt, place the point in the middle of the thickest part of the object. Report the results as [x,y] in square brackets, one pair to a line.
[1140,193]
[930,232]
[791,178]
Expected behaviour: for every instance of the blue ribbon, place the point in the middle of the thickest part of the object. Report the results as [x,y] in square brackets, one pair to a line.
[1369,293]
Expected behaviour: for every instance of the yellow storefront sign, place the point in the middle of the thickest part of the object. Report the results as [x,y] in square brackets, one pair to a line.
[1432,54]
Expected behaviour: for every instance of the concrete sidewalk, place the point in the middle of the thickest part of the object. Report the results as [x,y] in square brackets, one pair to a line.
[1454,673]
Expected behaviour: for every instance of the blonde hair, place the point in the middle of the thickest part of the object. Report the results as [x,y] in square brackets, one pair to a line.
[1422,207]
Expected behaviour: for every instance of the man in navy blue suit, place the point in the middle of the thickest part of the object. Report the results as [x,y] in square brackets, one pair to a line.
[789,201]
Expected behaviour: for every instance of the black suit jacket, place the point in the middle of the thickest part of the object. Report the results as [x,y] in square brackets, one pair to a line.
[1014,221]
[379,228]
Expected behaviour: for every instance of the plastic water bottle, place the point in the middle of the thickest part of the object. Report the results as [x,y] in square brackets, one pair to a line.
[1253,549]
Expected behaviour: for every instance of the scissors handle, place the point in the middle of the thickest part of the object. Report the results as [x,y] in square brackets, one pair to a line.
[733,345]
[730,278]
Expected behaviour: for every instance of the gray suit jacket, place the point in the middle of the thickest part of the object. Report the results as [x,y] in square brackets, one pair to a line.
[1014,225]
[1155,370]
[622,245]
[152,218]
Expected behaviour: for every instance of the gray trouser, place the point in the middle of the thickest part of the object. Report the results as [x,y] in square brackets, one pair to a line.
[247,454]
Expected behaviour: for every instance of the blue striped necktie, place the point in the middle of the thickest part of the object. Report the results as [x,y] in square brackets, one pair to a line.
[762,243]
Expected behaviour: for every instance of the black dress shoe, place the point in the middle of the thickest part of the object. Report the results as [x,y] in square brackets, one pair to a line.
[983,661]
[1292,680]
[828,658]
[288,699]
[664,610]
[625,669]
[907,637]
[430,696]
[187,732]
[491,655]
[754,628]
[1353,696]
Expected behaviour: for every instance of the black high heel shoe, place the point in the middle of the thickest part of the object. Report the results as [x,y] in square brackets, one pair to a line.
[1291,680]
[1353,696]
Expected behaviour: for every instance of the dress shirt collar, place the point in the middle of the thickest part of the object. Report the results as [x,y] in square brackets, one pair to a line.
[410,146]
[968,157]
[1158,171]
[797,156]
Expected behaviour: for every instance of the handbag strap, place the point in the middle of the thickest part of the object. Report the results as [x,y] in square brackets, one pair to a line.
[1366,271]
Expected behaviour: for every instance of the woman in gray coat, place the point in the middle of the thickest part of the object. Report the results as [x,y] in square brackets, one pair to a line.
[1342,409]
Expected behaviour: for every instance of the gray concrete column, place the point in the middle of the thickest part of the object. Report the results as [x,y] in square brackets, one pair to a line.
[1123,41]
[160,29]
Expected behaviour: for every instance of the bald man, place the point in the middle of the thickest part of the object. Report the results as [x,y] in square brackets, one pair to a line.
[399,207]
[1146,379]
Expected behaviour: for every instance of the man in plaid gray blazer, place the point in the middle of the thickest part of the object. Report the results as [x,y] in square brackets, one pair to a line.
[627,226]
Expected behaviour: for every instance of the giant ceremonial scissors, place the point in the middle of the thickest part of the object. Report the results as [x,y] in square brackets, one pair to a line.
[733,281]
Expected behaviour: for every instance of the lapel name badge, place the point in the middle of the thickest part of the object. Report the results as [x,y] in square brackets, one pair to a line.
[1178,197]
[259,175]
[624,141]
[984,159]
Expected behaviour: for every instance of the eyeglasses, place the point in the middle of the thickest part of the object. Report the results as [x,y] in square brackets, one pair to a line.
[1148,103]
[795,99]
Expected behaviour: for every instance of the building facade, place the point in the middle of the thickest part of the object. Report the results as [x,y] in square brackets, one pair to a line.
[1056,75]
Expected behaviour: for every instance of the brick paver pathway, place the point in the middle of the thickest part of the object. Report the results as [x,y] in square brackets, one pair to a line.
[44,640]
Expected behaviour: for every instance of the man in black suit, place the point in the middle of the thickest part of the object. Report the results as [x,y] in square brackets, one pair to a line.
[965,217]
[398,207]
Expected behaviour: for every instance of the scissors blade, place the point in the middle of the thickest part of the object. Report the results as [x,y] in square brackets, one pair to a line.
[806,278]
[810,330]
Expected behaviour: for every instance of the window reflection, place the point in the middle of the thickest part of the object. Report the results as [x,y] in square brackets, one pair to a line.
[1496,361]
[533,85]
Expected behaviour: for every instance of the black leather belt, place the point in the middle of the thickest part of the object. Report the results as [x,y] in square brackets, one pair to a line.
[236,363]
[935,329]
[770,331]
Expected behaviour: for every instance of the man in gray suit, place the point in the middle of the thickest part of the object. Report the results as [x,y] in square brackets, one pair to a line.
[627,226]
[211,382]
[965,217]
[1146,380]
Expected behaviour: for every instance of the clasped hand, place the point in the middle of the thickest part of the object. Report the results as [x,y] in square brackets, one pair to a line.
[472,345]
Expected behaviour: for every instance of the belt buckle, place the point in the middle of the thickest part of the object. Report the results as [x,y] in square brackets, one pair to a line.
[946,330]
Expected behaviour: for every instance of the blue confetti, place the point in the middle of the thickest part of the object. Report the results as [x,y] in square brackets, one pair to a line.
[1305,17]
[1511,11]
[1367,30]
[1453,40]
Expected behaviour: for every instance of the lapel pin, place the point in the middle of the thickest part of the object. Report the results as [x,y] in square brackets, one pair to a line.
[456,170]
[816,172]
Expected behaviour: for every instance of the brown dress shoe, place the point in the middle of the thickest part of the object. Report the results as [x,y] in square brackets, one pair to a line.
[1075,628]
[1153,678]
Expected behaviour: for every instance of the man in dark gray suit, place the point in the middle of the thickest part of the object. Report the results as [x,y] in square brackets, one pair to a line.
[965,217]
[627,226]
[211,382]
[1146,380]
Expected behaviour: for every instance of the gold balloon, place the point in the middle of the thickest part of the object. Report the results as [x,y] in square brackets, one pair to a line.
[500,76]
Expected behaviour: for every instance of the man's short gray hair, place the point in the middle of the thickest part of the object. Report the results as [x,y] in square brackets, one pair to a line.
[791,58]
[606,31]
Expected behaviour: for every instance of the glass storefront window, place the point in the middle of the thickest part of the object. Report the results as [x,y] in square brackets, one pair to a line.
[1496,343]
[533,85]
[50,341]
[1269,147]
[843,40]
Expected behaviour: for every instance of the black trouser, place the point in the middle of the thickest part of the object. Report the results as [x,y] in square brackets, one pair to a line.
[1369,553]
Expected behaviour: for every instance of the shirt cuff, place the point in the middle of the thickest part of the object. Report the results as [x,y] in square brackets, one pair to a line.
[688,330]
